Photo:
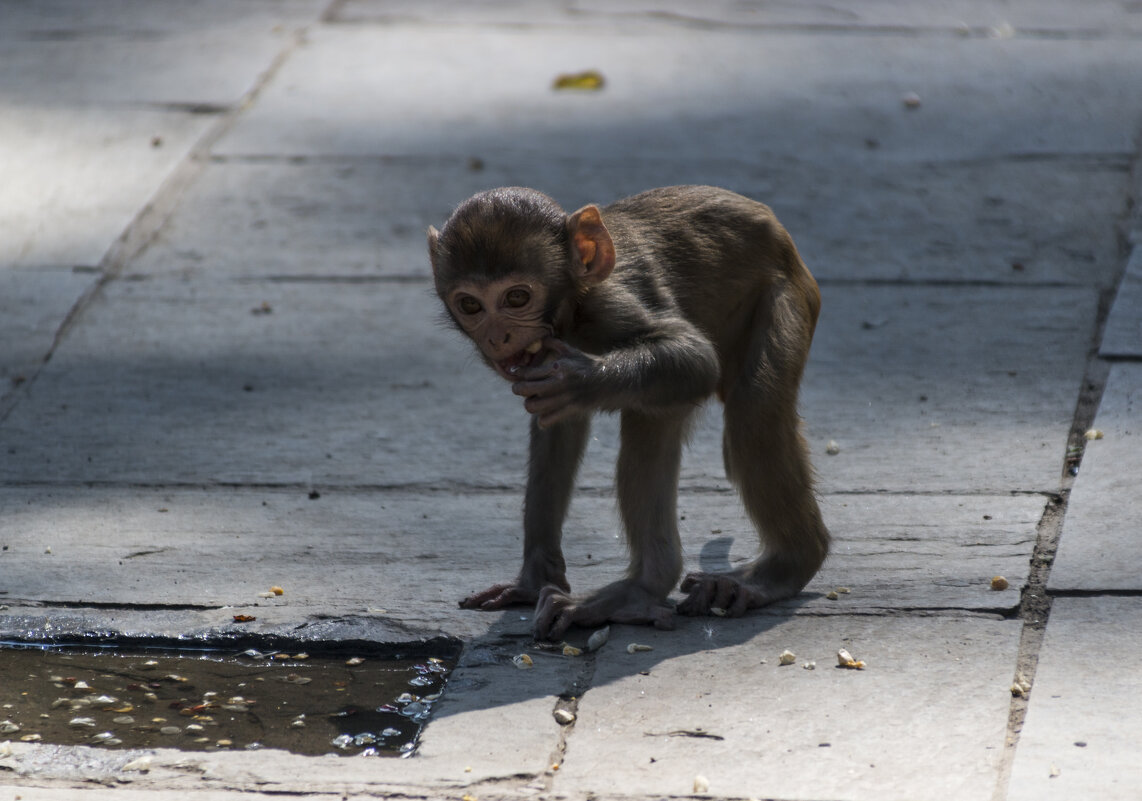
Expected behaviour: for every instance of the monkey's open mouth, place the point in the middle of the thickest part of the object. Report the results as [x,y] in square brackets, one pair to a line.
[527,357]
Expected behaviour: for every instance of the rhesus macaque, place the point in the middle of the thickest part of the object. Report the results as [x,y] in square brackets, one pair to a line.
[645,307]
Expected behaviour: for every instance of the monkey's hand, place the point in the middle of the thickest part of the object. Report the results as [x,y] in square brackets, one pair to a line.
[735,593]
[621,602]
[560,387]
[536,574]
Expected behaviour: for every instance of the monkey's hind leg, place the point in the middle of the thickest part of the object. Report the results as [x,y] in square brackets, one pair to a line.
[768,460]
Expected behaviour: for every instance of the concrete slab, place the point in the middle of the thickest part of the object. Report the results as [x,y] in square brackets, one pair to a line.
[76,176]
[391,558]
[32,304]
[1111,18]
[1122,337]
[965,390]
[1100,548]
[926,719]
[195,57]
[937,390]
[356,217]
[683,92]
[1076,742]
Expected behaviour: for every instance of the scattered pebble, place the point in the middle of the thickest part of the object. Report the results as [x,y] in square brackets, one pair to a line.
[564,716]
[571,650]
[141,764]
[911,100]
[354,661]
[810,666]
[1093,434]
[523,662]
[832,448]
[832,595]
[845,660]
[701,784]
[999,583]
[787,657]
[598,638]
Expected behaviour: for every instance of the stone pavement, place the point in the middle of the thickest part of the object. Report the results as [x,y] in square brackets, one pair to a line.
[215,303]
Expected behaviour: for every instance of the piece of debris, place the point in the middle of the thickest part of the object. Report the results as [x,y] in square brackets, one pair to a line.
[701,784]
[588,80]
[244,618]
[1020,688]
[832,595]
[523,662]
[717,611]
[571,650]
[1093,434]
[845,660]
[999,583]
[832,448]
[353,661]
[635,647]
[810,666]
[598,639]
[911,100]
[564,717]
[787,657]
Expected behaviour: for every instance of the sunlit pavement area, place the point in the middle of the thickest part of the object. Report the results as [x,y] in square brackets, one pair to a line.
[223,369]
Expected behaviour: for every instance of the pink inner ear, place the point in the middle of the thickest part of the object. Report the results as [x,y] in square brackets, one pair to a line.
[586,248]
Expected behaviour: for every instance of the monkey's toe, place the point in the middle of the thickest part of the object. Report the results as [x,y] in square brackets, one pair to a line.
[710,591]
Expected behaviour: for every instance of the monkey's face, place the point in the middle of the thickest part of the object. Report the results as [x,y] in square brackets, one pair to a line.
[505,318]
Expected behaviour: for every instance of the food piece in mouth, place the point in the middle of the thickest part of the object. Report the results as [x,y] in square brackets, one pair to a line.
[525,358]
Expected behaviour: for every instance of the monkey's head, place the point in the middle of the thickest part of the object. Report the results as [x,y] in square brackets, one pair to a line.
[509,264]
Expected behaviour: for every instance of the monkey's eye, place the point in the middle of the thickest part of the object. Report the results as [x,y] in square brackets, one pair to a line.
[517,298]
[468,304]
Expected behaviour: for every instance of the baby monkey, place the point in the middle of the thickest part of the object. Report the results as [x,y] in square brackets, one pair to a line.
[645,307]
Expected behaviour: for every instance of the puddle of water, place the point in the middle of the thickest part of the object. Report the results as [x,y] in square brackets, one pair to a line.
[208,700]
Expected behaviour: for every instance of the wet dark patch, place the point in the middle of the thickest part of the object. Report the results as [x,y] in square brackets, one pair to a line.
[303,698]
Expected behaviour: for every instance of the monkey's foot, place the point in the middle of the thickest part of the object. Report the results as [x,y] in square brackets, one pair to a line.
[733,593]
[621,602]
[499,596]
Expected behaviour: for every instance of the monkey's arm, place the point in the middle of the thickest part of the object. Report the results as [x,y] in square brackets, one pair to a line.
[674,365]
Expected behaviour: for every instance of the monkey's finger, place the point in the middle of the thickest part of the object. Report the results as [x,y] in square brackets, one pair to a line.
[479,600]
[559,347]
[725,591]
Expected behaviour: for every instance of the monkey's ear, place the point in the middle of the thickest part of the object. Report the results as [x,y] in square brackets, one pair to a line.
[592,250]
[433,238]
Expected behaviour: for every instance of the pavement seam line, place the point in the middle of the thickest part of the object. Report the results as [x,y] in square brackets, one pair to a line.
[146,225]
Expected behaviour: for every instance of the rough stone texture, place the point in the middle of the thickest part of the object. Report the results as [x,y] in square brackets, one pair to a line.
[1086,692]
[963,17]
[394,555]
[32,303]
[1100,547]
[796,733]
[684,92]
[354,217]
[330,387]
